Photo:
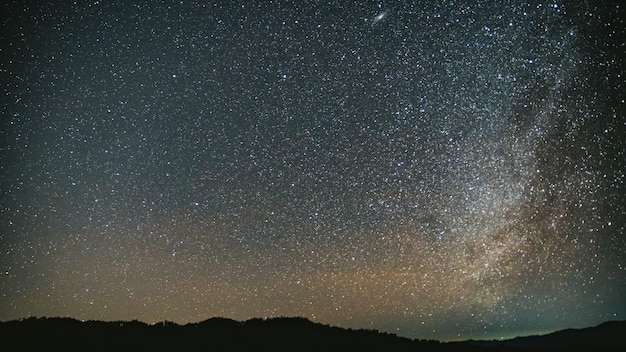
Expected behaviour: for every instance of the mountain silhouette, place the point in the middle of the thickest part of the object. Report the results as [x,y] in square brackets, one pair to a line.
[606,336]
[275,334]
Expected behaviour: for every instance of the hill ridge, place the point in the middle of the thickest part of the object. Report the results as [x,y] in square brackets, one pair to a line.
[276,333]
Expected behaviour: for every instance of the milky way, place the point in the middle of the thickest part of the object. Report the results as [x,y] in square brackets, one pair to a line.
[447,171]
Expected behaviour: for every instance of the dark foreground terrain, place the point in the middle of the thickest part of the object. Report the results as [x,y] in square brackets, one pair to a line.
[278,334]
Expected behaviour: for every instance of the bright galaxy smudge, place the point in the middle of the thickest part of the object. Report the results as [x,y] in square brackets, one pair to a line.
[381,16]
[455,171]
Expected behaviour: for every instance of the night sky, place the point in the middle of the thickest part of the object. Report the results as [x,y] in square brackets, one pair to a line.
[436,169]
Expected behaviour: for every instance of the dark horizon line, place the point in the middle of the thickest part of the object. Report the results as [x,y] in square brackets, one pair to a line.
[301,318]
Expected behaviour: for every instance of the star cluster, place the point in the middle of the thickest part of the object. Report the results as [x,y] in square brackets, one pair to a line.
[441,170]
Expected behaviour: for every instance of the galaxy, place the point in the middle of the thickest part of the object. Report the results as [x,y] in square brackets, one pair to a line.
[438,170]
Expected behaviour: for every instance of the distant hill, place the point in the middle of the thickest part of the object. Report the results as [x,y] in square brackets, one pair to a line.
[276,334]
[216,334]
[606,336]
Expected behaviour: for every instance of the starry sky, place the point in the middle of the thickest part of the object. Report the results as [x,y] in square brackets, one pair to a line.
[440,170]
